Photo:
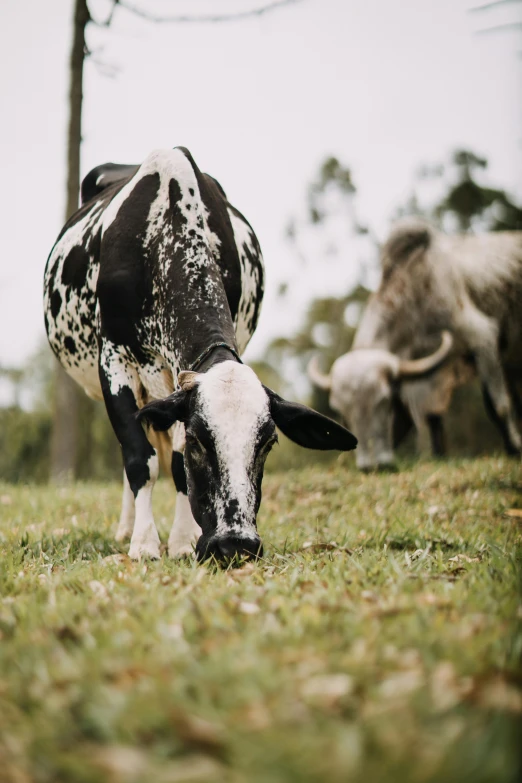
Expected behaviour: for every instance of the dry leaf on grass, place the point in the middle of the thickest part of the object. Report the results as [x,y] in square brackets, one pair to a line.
[431,599]
[326,690]
[245,607]
[498,694]
[461,558]
[401,684]
[447,689]
[256,716]
[116,559]
[198,733]
[324,546]
[514,513]
[122,763]
[99,589]
[194,769]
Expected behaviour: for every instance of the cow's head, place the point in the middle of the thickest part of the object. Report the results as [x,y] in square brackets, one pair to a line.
[230,423]
[364,387]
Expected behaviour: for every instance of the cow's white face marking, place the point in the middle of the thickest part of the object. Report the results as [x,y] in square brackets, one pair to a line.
[234,406]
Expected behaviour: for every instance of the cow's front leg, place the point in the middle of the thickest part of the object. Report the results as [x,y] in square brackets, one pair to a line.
[119,382]
[128,511]
[498,402]
[185,530]
[483,336]
[437,437]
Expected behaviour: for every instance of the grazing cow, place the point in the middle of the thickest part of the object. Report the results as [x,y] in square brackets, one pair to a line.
[152,292]
[383,395]
[470,286]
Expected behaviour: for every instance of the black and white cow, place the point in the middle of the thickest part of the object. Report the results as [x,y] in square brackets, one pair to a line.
[152,292]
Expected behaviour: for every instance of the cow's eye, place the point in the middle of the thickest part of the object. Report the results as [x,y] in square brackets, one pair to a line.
[194,442]
[265,447]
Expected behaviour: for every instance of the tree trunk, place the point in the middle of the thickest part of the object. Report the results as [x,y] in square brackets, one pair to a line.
[65,416]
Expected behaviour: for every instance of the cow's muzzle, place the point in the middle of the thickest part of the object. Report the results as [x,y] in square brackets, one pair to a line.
[229,548]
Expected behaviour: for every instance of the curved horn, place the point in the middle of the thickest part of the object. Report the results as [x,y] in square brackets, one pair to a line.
[414,367]
[316,376]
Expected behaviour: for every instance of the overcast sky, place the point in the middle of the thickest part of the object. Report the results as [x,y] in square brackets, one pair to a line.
[382,84]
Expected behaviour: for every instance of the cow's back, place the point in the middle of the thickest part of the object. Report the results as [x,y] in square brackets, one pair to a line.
[71,295]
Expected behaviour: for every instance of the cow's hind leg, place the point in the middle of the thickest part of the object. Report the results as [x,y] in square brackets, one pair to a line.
[185,530]
[120,384]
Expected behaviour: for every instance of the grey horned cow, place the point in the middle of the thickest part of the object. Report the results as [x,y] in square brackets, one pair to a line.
[463,290]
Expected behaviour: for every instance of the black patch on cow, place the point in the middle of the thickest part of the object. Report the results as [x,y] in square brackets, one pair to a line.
[178,472]
[56,303]
[122,282]
[75,269]
[69,344]
[122,408]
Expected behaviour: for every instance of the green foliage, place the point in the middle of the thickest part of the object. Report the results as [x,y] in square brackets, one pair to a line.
[466,201]
[24,445]
[377,640]
[25,434]
[332,175]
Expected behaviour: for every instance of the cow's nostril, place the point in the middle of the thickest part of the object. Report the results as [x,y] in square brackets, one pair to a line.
[229,548]
[249,548]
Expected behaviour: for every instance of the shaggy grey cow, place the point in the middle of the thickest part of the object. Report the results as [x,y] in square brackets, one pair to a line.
[467,286]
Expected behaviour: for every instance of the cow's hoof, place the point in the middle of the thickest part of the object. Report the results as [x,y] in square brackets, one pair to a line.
[123,535]
[179,550]
[144,550]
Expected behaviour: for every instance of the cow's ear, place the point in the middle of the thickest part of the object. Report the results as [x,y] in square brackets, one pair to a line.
[308,428]
[162,414]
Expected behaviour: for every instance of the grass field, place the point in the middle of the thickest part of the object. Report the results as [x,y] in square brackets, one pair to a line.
[379,640]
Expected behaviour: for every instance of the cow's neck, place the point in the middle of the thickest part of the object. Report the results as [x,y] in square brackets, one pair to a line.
[217,356]
[199,318]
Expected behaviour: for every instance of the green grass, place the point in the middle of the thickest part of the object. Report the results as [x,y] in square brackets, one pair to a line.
[379,639]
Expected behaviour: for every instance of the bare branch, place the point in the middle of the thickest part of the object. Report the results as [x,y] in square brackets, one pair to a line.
[501,27]
[213,18]
[487,6]
[106,22]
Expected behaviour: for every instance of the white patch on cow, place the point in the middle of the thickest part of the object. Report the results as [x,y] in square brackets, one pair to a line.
[233,405]
[145,540]
[75,315]
[185,530]
[126,524]
[119,368]
[157,379]
[250,281]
